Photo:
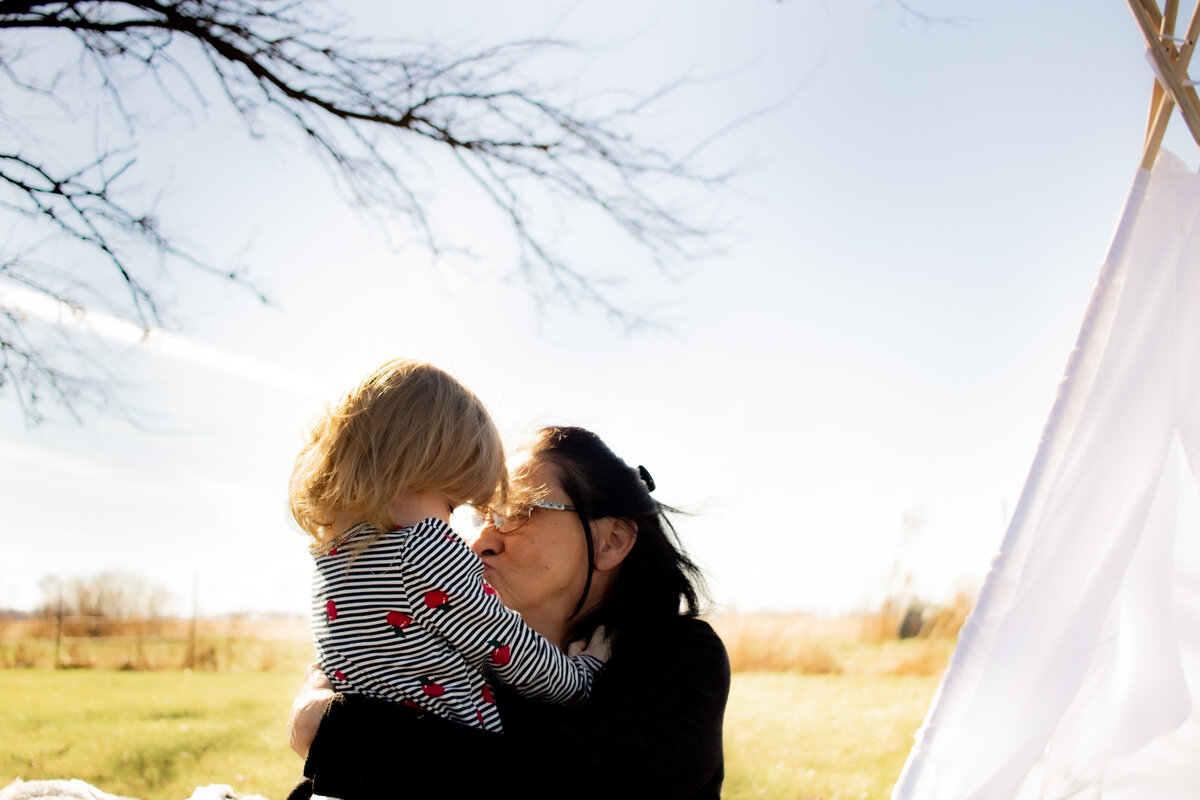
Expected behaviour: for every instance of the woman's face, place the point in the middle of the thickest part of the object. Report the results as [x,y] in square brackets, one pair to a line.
[539,569]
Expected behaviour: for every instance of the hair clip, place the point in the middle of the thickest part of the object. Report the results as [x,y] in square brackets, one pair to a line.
[644,474]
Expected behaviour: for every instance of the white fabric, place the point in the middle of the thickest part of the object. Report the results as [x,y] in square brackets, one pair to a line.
[1078,674]
[75,789]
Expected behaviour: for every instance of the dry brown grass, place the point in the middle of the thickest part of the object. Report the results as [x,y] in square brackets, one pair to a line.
[232,644]
[947,620]
[781,642]
[866,644]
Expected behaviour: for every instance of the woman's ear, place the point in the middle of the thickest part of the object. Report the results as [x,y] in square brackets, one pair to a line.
[613,538]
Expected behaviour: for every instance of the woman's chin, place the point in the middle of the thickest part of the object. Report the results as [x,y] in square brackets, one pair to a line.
[493,580]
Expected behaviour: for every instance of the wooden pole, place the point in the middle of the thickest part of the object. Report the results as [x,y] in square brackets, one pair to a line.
[1161,105]
[1171,64]
[1166,27]
[1152,10]
[58,629]
[190,662]
[1170,14]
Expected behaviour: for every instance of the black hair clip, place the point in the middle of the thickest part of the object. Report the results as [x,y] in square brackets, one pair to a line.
[644,474]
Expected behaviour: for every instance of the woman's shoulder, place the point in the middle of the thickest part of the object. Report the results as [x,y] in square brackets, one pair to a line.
[695,626]
[680,640]
[685,628]
[695,633]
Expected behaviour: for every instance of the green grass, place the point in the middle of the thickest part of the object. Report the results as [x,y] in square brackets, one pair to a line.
[158,735]
[820,737]
[155,735]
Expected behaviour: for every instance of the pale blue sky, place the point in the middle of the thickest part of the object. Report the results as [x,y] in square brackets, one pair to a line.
[912,242]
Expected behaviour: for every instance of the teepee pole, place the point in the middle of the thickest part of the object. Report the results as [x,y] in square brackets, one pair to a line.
[1170,64]
[1161,105]
[1170,14]
[1166,27]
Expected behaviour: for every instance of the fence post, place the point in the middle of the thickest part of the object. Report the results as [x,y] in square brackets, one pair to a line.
[191,652]
[58,629]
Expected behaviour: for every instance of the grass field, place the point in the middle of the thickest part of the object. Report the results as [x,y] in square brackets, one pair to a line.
[833,737]
[155,735]
[158,735]
[833,721]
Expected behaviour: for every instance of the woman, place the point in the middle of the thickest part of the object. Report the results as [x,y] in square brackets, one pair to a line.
[581,544]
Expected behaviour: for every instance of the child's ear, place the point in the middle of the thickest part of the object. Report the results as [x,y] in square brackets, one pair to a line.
[613,538]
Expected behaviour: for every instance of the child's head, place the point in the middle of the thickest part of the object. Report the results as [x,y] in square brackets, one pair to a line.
[407,427]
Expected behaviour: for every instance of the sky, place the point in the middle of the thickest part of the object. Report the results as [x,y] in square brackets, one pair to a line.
[845,398]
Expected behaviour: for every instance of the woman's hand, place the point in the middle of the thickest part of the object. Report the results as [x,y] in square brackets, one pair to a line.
[599,646]
[308,709]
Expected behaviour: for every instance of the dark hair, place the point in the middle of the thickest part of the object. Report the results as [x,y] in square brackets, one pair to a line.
[656,580]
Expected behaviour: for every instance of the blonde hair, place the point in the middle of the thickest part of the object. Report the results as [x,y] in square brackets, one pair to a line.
[407,427]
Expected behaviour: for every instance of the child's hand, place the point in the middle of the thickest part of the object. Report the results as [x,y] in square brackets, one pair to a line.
[599,646]
[308,709]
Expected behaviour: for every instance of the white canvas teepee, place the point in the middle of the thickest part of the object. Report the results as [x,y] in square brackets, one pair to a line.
[1078,674]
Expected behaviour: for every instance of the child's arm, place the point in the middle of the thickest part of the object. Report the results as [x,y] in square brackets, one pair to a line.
[445,583]
[308,708]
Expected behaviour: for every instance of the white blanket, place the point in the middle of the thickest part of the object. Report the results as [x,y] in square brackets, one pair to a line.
[75,789]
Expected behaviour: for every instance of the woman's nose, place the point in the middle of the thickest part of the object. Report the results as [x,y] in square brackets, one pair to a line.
[489,542]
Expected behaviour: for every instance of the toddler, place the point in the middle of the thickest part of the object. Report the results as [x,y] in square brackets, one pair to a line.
[400,609]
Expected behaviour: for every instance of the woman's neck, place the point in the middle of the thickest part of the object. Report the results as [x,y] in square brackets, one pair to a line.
[550,625]
[554,623]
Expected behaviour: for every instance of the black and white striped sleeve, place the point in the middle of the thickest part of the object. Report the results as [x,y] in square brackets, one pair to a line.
[449,597]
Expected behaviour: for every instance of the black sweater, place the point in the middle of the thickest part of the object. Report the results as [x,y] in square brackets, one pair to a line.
[652,728]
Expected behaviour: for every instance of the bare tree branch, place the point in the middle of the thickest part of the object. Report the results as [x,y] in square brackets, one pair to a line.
[355,101]
[930,18]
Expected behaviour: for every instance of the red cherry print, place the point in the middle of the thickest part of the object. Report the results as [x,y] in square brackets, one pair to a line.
[488,589]
[479,716]
[501,654]
[488,697]
[331,610]
[333,551]
[432,688]
[398,622]
[339,675]
[411,704]
[437,599]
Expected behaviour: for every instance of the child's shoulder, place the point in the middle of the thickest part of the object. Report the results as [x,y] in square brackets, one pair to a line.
[435,530]
[367,541]
[350,545]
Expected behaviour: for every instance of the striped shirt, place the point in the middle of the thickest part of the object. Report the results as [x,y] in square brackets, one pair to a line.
[410,619]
